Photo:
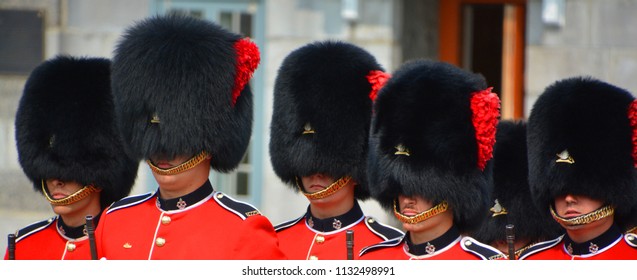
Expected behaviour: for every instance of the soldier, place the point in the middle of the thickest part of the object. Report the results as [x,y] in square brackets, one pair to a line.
[431,136]
[322,109]
[512,197]
[69,147]
[582,157]
[184,105]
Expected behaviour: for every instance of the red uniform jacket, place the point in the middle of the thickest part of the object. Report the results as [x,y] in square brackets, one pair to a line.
[449,246]
[44,241]
[310,238]
[208,225]
[611,245]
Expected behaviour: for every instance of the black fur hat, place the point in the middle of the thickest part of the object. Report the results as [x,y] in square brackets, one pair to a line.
[589,121]
[180,87]
[65,128]
[509,175]
[325,86]
[423,139]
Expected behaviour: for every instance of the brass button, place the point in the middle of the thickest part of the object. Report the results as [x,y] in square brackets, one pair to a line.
[70,247]
[160,241]
[313,258]
[468,243]
[219,195]
[320,239]
[165,220]
[371,220]
[630,237]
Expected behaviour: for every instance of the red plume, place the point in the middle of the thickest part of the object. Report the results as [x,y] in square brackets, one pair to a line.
[486,110]
[248,58]
[377,79]
[632,116]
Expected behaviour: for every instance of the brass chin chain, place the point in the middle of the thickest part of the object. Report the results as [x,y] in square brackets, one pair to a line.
[584,219]
[330,190]
[75,197]
[441,207]
[194,161]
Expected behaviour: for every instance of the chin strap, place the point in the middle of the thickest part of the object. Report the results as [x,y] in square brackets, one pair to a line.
[189,164]
[330,190]
[75,197]
[441,207]
[586,218]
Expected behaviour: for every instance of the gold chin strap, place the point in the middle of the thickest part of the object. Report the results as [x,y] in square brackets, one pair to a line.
[441,207]
[586,218]
[330,190]
[75,197]
[189,164]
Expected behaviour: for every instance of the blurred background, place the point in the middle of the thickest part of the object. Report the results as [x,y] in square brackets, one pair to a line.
[520,46]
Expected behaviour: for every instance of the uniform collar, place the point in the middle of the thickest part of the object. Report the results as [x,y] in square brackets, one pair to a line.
[334,223]
[180,203]
[432,246]
[594,245]
[74,232]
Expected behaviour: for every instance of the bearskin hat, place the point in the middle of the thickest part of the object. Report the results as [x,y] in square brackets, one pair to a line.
[66,129]
[509,176]
[432,133]
[581,141]
[325,87]
[180,87]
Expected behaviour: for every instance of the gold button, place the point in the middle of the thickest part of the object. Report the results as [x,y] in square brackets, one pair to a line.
[320,239]
[630,237]
[468,243]
[70,247]
[313,258]
[219,195]
[160,241]
[165,220]
[371,220]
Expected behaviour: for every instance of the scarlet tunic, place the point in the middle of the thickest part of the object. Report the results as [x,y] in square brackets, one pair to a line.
[611,245]
[202,225]
[311,238]
[46,240]
[449,246]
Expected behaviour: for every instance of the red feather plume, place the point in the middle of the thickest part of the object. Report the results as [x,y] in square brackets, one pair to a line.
[248,58]
[486,110]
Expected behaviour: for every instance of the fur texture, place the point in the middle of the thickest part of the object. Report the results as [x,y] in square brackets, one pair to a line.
[183,70]
[425,106]
[65,128]
[588,118]
[323,84]
[509,175]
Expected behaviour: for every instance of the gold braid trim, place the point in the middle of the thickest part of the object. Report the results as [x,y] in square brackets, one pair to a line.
[189,164]
[75,197]
[586,218]
[441,207]
[330,190]
[632,230]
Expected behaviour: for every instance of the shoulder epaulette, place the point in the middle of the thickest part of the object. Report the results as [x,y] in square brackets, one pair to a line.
[129,201]
[384,244]
[33,228]
[288,224]
[241,209]
[384,231]
[481,250]
[541,246]
[631,239]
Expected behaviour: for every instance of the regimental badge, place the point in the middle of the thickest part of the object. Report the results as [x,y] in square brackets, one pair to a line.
[62,231]
[497,209]
[181,204]
[593,248]
[310,222]
[307,129]
[430,249]
[402,150]
[51,141]
[155,118]
[565,157]
[337,224]
[569,248]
